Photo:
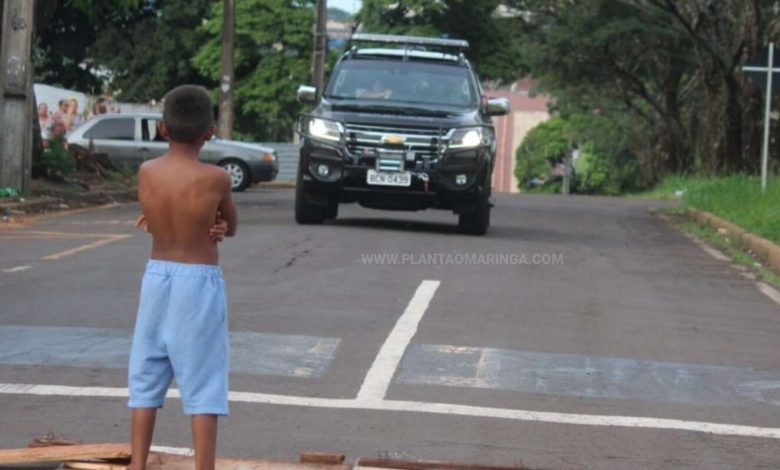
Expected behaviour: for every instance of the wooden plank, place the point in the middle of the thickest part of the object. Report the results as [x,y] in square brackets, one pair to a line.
[176,462]
[64,453]
[322,457]
[94,465]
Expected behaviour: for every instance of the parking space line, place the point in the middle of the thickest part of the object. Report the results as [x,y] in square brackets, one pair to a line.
[378,378]
[16,269]
[89,246]
[547,417]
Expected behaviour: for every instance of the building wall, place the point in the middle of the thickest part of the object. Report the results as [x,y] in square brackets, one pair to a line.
[526,112]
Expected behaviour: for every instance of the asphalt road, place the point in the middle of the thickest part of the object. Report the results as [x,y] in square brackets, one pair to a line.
[580,333]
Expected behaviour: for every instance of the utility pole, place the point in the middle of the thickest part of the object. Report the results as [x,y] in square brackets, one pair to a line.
[16,113]
[318,61]
[567,170]
[227,75]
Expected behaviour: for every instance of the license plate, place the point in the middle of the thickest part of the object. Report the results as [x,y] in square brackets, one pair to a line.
[381,178]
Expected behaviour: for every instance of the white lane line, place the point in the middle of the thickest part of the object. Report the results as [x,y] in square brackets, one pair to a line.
[378,378]
[769,291]
[429,408]
[16,269]
[173,450]
[765,288]
[717,254]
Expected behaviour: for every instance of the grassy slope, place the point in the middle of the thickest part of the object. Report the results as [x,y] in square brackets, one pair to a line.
[737,199]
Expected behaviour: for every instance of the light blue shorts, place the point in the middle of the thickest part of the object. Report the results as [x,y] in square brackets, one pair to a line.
[181,332]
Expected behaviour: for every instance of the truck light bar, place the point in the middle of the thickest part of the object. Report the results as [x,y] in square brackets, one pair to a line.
[459,44]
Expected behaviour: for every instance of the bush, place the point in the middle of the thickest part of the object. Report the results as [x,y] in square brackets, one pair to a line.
[543,146]
[605,166]
[55,161]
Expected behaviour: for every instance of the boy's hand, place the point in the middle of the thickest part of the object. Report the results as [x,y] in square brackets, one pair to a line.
[140,222]
[217,231]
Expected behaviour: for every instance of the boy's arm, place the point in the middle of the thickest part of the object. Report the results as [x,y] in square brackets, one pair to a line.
[226,206]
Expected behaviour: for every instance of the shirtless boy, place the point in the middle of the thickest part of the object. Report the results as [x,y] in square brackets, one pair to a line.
[181,328]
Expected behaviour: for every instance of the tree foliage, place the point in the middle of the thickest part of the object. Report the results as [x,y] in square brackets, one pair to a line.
[495,41]
[273,56]
[150,49]
[667,73]
[65,31]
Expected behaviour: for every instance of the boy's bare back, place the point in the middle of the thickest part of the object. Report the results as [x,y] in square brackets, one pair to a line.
[180,197]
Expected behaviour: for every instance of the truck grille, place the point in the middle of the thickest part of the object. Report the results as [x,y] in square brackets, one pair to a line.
[367,140]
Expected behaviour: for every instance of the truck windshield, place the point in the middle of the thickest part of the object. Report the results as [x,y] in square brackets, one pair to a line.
[410,82]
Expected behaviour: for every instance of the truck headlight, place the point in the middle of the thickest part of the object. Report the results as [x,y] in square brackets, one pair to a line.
[468,137]
[325,130]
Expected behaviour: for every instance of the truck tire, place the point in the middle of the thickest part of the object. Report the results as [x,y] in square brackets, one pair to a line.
[477,221]
[306,213]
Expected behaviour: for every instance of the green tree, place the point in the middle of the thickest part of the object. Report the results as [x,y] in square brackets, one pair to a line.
[151,49]
[65,31]
[337,14]
[495,46]
[273,55]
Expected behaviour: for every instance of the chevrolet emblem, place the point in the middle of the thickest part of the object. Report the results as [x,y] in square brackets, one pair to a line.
[393,139]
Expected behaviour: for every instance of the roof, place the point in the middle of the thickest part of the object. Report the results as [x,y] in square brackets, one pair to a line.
[407,53]
[459,44]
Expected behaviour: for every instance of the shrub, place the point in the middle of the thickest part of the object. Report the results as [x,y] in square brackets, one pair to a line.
[55,161]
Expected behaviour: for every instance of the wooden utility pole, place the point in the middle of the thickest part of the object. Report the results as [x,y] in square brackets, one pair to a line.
[16,113]
[568,169]
[227,75]
[318,61]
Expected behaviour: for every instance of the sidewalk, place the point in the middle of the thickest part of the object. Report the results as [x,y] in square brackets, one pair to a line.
[43,204]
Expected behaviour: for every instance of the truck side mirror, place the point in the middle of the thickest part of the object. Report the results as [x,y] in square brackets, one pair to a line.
[307,94]
[497,107]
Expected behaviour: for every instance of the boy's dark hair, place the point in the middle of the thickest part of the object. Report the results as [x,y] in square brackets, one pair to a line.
[187,113]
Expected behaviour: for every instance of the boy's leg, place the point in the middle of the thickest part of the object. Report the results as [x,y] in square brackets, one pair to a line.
[142,428]
[204,440]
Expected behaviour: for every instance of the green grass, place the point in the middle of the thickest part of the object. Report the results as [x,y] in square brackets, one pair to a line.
[736,198]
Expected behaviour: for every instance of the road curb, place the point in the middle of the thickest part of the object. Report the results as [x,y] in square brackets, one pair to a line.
[765,249]
[50,204]
[277,185]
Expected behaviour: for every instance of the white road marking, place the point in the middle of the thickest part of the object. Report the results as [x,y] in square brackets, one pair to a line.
[378,378]
[769,291]
[97,243]
[717,254]
[765,288]
[429,408]
[16,269]
[173,450]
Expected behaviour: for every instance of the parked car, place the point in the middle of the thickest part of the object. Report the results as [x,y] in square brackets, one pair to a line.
[130,139]
[403,126]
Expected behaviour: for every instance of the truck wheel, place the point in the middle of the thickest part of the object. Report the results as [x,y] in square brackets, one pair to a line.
[477,221]
[239,174]
[332,211]
[307,213]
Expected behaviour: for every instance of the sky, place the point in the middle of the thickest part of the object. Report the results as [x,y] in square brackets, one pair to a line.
[351,6]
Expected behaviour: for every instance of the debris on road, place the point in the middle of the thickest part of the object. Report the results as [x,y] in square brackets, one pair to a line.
[76,455]
[62,453]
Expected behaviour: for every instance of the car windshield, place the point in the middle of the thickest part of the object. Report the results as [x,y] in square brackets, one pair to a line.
[403,82]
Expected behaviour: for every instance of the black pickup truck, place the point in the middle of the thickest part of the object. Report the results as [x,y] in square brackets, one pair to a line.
[403,126]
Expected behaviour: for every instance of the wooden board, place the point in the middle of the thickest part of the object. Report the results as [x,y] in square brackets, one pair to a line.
[322,457]
[64,453]
[79,465]
[176,462]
